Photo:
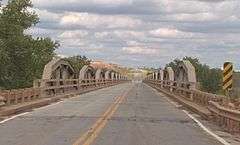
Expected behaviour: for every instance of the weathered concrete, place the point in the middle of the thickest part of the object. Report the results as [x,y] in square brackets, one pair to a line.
[58,69]
[108,74]
[100,74]
[169,74]
[87,72]
[236,85]
[186,73]
[161,74]
[113,75]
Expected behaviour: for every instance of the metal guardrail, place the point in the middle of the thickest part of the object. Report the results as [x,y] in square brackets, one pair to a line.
[225,117]
[50,88]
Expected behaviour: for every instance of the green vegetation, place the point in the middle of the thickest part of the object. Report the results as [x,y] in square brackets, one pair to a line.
[22,57]
[210,79]
[78,62]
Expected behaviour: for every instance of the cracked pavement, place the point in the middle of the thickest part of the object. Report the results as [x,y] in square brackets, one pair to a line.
[143,118]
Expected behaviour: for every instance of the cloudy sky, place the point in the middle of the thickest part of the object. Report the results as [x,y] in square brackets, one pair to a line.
[143,32]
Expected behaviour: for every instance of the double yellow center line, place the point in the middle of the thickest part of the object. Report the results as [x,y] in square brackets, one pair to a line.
[88,137]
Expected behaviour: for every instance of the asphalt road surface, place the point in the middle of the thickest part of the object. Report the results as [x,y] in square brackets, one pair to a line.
[126,114]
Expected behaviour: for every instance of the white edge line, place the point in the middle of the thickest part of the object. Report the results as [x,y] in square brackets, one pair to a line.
[15,116]
[18,115]
[195,120]
[50,105]
[206,129]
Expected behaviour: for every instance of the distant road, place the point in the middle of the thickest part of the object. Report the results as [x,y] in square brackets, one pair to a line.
[126,114]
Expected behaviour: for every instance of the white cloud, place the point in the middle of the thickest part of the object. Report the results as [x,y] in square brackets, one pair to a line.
[43,3]
[120,34]
[113,2]
[139,50]
[170,33]
[133,43]
[62,55]
[129,34]
[101,35]
[183,6]
[93,20]
[181,27]
[74,34]
[35,31]
[47,16]
[197,17]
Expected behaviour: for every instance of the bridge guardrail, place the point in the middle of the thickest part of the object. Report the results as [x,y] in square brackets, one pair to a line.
[183,89]
[54,87]
[11,97]
[225,117]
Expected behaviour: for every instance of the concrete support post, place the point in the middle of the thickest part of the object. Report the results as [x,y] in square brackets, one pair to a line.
[161,74]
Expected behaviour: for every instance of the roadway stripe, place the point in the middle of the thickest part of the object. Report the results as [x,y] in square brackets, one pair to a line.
[102,125]
[48,106]
[89,137]
[11,118]
[18,115]
[96,124]
[206,129]
[218,138]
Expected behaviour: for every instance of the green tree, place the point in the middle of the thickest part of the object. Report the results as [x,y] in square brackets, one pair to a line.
[22,57]
[78,62]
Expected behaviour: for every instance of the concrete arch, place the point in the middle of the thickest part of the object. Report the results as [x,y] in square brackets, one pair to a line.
[169,74]
[150,76]
[108,74]
[58,69]
[100,74]
[113,75]
[186,72]
[87,72]
[118,76]
[161,74]
[156,75]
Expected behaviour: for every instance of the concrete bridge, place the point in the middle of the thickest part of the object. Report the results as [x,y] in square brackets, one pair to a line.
[103,107]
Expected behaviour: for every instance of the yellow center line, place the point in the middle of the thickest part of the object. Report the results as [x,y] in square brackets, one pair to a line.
[88,137]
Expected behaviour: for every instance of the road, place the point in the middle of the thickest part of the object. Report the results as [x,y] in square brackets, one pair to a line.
[126,114]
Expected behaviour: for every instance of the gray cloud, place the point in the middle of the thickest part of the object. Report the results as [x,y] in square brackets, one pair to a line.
[143,32]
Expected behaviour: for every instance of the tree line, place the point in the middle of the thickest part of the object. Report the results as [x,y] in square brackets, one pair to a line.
[22,56]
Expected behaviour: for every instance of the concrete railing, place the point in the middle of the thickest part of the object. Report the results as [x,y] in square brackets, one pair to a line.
[225,117]
[10,97]
[182,89]
[50,88]
[220,114]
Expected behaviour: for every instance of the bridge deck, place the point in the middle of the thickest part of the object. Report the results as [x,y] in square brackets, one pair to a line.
[126,114]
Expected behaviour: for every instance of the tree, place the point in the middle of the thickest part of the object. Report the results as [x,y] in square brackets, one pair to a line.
[78,62]
[210,79]
[22,57]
